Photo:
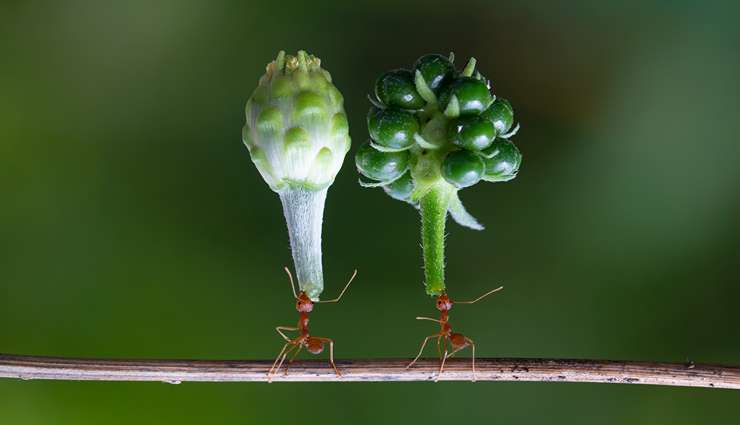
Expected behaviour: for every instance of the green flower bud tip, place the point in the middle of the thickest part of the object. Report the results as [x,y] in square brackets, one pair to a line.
[297,134]
[392,128]
[463,168]
[296,128]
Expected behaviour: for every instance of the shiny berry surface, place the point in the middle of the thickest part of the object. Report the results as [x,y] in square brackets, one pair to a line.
[436,70]
[381,166]
[471,132]
[505,161]
[501,114]
[472,95]
[462,168]
[397,88]
[392,128]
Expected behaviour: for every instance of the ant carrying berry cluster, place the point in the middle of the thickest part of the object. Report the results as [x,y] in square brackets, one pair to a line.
[446,338]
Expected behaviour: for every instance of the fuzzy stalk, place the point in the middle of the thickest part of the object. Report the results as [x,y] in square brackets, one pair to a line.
[304,214]
[433,206]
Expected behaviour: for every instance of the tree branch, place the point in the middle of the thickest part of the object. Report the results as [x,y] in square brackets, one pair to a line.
[491,369]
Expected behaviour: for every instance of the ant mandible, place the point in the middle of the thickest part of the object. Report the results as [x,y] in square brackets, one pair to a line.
[313,344]
[457,341]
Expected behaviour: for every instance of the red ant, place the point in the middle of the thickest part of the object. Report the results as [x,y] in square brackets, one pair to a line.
[313,344]
[445,334]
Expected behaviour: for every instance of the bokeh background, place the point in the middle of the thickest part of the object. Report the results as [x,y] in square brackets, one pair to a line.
[133,224]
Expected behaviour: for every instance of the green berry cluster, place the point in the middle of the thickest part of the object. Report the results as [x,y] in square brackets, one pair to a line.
[434,123]
[435,130]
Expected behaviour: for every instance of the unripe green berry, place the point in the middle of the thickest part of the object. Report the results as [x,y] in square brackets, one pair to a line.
[401,189]
[381,166]
[472,95]
[462,168]
[504,162]
[392,128]
[471,132]
[501,114]
[435,69]
[397,88]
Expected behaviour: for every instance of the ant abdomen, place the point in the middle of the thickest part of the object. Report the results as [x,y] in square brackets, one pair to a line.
[314,346]
[458,340]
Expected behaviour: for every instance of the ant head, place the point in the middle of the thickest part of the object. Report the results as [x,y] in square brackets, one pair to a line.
[444,303]
[314,345]
[303,303]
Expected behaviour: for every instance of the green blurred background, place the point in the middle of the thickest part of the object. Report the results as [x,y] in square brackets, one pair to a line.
[133,224]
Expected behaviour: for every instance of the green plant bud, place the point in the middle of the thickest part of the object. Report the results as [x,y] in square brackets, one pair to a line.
[401,189]
[502,160]
[397,88]
[471,132]
[296,128]
[501,114]
[462,168]
[381,166]
[392,128]
[297,135]
[435,69]
[472,95]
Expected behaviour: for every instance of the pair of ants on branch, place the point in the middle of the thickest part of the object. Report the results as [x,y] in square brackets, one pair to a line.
[448,342]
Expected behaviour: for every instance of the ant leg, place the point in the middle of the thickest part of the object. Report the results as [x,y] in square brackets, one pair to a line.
[439,348]
[442,366]
[428,318]
[331,352]
[469,342]
[481,297]
[292,358]
[472,346]
[270,372]
[453,352]
[336,300]
[279,330]
[421,350]
[282,359]
[292,285]
[444,344]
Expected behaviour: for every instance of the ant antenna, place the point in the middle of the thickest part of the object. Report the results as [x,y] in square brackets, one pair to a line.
[292,285]
[481,297]
[343,290]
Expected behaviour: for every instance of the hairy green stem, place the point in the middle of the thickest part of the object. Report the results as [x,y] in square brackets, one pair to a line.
[433,206]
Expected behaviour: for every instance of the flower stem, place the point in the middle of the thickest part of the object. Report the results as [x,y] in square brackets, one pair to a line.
[433,207]
[304,214]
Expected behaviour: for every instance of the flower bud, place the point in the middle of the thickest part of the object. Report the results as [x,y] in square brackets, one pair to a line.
[296,129]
